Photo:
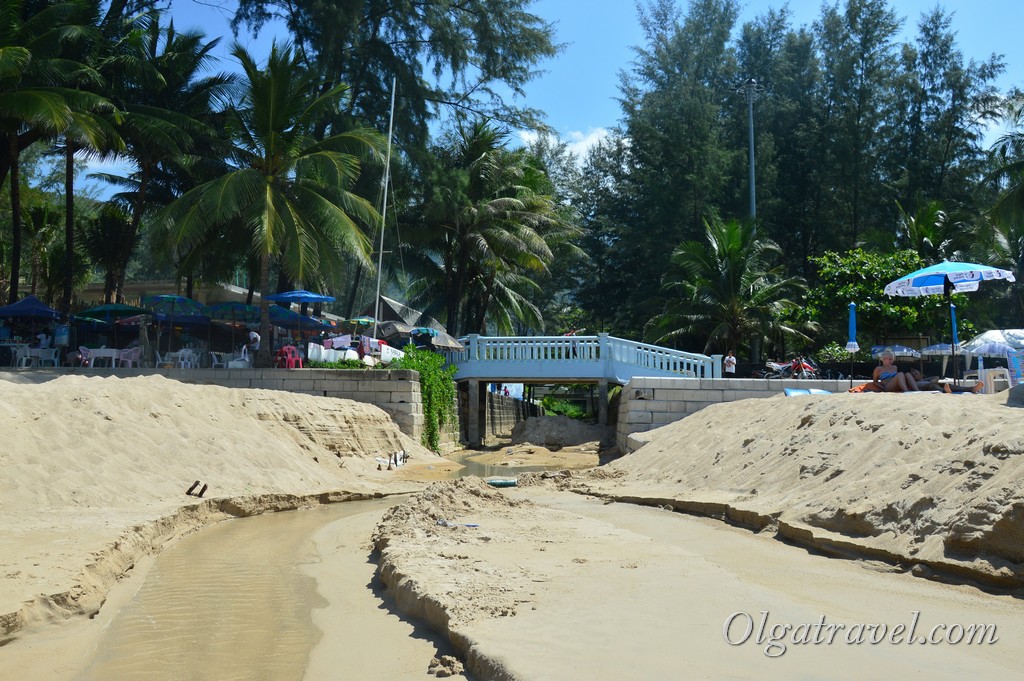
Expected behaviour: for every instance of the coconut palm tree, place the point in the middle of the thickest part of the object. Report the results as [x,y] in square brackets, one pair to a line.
[35,98]
[289,188]
[488,227]
[727,291]
[163,100]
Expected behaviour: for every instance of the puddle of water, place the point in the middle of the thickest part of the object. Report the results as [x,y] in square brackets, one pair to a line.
[228,602]
[484,470]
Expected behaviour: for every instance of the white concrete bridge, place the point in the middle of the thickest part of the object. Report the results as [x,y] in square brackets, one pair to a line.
[600,359]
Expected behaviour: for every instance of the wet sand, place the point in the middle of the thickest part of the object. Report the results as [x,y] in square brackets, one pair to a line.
[568,587]
[262,597]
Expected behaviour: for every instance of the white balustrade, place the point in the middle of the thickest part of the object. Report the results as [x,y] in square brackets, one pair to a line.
[582,357]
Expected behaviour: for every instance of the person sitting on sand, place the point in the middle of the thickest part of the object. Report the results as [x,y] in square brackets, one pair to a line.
[932,383]
[889,378]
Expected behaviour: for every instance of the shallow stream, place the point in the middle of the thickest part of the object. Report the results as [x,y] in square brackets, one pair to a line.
[219,605]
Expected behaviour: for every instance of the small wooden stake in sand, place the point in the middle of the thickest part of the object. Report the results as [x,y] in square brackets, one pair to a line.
[192,488]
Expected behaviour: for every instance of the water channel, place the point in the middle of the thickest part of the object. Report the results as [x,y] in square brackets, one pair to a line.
[219,605]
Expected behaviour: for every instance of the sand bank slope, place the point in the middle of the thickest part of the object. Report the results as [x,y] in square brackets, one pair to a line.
[96,469]
[529,583]
[930,480]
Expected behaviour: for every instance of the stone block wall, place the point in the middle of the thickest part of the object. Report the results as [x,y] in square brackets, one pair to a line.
[648,403]
[503,413]
[395,391]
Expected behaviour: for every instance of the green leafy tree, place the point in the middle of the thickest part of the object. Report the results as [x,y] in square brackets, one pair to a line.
[858,62]
[944,105]
[729,291]
[287,186]
[468,58]
[860,277]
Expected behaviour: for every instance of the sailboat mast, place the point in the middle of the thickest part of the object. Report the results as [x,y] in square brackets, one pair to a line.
[384,210]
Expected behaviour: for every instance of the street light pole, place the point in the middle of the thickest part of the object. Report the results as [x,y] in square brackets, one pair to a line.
[751,89]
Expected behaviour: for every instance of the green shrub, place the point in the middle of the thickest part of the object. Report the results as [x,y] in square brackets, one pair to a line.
[347,364]
[553,405]
[437,390]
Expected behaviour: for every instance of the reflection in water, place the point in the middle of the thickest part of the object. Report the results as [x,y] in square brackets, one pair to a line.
[220,605]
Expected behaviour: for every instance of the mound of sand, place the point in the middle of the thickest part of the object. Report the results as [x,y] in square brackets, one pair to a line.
[96,471]
[931,480]
[560,431]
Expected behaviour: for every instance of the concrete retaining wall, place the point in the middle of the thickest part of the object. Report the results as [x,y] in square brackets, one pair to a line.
[503,413]
[395,391]
[649,403]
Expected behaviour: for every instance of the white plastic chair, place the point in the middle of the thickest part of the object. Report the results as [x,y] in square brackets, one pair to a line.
[129,357]
[187,359]
[49,356]
[22,358]
[218,360]
[242,361]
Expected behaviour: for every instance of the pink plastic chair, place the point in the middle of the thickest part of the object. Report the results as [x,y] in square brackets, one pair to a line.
[292,358]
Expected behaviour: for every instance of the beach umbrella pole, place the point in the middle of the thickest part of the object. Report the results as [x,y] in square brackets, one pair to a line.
[851,344]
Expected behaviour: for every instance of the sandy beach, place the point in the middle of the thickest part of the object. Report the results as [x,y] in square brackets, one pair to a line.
[784,511]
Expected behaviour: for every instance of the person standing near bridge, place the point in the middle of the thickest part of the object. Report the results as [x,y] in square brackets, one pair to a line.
[730,365]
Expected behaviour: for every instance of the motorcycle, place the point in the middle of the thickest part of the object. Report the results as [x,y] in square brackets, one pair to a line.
[799,367]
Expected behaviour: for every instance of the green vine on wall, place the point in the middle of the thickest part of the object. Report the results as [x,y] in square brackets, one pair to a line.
[437,390]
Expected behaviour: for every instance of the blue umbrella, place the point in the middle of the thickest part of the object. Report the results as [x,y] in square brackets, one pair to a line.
[300,296]
[896,350]
[236,312]
[175,310]
[937,350]
[851,345]
[946,278]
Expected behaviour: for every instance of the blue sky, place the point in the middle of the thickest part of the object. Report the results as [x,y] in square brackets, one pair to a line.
[580,89]
[580,86]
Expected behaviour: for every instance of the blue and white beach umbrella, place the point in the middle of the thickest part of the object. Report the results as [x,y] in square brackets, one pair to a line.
[851,345]
[896,350]
[961,277]
[946,278]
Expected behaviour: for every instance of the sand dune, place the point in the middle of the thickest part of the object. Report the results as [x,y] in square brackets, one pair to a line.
[931,480]
[96,470]
[554,580]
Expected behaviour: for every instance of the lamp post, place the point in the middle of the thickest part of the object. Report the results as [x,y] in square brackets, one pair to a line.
[751,89]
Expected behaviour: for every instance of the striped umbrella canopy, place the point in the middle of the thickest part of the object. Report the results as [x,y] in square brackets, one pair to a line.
[896,350]
[937,350]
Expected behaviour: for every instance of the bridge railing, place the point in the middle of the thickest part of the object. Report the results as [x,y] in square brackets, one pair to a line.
[603,349]
[505,348]
[654,357]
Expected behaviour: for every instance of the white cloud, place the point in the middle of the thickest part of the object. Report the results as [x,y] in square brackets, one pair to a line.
[580,143]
